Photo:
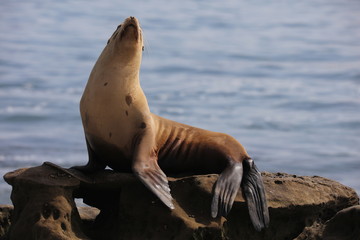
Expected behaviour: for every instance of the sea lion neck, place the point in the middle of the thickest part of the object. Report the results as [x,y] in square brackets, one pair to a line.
[117,68]
[121,58]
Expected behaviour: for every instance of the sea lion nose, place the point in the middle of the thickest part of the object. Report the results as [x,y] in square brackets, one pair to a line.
[132,18]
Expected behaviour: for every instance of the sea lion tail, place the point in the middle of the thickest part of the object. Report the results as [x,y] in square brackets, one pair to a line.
[253,190]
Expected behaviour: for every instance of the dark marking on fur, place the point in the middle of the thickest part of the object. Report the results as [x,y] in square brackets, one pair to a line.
[127,113]
[128,100]
[105,84]
[110,134]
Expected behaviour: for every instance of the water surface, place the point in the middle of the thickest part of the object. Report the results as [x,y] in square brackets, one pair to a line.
[282,77]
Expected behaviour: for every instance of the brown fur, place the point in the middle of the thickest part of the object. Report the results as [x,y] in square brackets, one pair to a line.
[122,133]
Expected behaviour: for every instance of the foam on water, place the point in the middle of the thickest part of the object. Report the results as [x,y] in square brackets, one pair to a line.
[281,77]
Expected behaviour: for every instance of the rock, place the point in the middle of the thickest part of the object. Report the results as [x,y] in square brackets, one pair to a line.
[345,225]
[43,204]
[313,232]
[306,203]
[88,214]
[5,215]
[299,206]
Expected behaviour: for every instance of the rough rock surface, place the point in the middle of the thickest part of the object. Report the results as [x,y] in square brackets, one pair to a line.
[43,199]
[345,225]
[43,204]
[5,215]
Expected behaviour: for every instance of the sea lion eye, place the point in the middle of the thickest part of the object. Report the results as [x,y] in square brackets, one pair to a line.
[143,48]
[118,27]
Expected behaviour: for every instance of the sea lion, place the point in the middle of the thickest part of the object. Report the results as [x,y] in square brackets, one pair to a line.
[123,134]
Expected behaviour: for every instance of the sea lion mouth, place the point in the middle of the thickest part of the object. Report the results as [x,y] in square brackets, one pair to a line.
[130,25]
[129,31]
[130,28]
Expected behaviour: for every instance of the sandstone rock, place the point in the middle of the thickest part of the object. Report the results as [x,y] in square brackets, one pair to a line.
[88,214]
[299,206]
[5,215]
[308,203]
[345,225]
[43,204]
[296,204]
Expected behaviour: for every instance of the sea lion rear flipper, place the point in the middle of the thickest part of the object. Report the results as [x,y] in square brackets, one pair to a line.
[154,179]
[225,190]
[254,193]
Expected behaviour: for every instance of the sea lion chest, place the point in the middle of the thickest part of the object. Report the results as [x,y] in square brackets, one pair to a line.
[113,109]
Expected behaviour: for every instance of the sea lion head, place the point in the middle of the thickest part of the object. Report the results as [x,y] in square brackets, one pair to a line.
[127,39]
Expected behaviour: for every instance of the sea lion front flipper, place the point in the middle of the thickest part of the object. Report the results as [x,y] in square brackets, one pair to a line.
[155,179]
[146,168]
[226,188]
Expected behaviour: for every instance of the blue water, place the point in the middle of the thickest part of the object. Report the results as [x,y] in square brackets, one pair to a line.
[282,77]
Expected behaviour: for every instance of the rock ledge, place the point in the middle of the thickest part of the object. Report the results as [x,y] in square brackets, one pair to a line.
[43,197]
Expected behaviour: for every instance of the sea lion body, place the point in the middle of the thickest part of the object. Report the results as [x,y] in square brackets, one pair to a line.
[190,150]
[123,134]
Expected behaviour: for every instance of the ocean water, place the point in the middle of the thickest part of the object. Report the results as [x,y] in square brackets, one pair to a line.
[282,77]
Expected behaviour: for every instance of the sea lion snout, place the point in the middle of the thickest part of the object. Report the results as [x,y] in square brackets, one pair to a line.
[127,35]
[130,28]
[131,21]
